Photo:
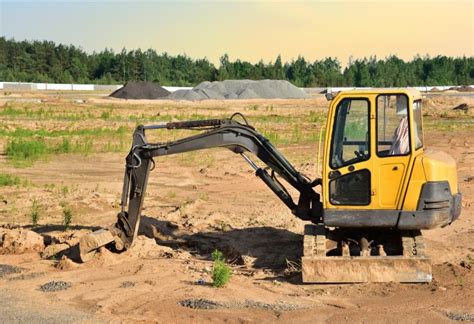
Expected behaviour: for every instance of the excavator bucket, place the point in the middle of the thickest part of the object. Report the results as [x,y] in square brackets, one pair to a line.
[328,259]
[90,243]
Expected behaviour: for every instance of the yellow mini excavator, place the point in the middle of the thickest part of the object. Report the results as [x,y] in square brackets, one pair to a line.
[379,187]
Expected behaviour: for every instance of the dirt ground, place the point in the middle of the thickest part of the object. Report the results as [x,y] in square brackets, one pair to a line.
[195,204]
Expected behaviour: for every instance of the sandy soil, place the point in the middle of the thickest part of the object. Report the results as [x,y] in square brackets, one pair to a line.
[194,205]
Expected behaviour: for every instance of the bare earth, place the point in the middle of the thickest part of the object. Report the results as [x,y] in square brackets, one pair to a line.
[195,204]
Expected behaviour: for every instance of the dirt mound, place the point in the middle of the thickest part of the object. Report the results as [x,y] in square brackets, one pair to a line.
[241,89]
[140,90]
[16,241]
[463,88]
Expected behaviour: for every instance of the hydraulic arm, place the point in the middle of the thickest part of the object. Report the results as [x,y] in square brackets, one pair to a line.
[237,137]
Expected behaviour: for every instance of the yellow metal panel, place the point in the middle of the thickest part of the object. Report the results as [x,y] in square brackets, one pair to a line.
[390,179]
[439,166]
[416,181]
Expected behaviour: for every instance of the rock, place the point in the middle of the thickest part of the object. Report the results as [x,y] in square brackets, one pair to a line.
[19,240]
[53,249]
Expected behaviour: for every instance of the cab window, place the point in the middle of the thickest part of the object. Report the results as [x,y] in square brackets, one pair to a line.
[418,124]
[350,141]
[393,129]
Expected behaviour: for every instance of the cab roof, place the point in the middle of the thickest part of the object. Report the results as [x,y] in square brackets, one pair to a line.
[411,92]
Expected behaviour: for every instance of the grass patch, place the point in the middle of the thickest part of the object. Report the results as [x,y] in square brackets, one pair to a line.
[8,180]
[23,151]
[96,132]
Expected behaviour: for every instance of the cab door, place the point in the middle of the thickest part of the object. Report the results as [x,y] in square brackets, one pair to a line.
[348,177]
[392,149]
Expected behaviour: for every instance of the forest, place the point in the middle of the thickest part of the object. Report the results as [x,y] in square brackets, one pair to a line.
[46,61]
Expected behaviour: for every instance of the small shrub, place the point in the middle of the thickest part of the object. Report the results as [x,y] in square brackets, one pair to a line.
[105,115]
[64,190]
[35,212]
[67,216]
[221,272]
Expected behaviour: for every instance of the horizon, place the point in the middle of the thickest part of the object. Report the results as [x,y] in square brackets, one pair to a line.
[250,31]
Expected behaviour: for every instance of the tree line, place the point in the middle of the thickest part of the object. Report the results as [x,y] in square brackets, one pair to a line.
[46,61]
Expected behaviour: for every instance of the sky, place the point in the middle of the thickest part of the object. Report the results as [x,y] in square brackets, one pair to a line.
[250,30]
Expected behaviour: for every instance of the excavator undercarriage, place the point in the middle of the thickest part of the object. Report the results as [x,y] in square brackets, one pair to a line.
[355,255]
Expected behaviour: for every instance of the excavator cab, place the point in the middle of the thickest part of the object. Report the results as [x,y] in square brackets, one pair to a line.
[373,164]
[380,186]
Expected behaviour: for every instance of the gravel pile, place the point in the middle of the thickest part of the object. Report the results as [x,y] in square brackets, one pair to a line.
[140,90]
[241,89]
[54,286]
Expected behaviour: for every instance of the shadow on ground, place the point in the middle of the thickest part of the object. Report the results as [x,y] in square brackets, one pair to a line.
[264,247]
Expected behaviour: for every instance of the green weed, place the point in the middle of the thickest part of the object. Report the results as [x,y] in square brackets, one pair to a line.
[67,216]
[34,214]
[106,115]
[221,272]
[8,180]
[171,194]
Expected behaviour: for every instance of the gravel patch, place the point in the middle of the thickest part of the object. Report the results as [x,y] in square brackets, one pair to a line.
[7,269]
[27,276]
[280,306]
[55,286]
[460,317]
[201,303]
[127,284]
